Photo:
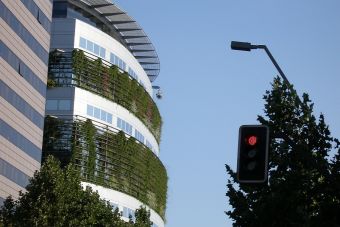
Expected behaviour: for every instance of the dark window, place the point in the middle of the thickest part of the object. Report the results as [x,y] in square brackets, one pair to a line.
[59,10]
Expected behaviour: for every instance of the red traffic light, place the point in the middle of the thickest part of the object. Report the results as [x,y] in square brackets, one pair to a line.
[252,162]
[251,140]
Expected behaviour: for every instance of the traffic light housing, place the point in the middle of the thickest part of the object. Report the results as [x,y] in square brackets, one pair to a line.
[252,163]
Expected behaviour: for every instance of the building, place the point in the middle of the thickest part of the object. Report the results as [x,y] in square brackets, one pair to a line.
[24,47]
[100,112]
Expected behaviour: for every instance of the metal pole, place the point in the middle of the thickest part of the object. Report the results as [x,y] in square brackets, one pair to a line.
[273,61]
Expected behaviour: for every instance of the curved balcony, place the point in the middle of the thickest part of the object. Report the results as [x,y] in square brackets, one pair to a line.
[105,156]
[85,71]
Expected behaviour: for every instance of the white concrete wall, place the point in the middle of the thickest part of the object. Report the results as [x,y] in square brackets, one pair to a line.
[111,45]
[124,200]
[83,97]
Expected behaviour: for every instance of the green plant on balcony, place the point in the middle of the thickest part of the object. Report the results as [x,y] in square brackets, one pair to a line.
[109,159]
[108,81]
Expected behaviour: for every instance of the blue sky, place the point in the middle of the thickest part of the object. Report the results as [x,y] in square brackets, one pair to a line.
[210,90]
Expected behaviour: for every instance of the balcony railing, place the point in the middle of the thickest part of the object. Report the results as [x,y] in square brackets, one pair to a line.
[83,70]
[107,157]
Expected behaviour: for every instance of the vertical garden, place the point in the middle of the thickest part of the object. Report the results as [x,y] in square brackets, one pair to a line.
[92,74]
[109,158]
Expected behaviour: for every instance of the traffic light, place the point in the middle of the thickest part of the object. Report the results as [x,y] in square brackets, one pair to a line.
[252,163]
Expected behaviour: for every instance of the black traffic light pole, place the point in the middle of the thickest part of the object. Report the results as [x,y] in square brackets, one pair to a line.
[244,46]
[247,176]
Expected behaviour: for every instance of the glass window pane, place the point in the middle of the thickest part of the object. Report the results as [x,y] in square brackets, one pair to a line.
[123,125]
[112,58]
[89,46]
[109,118]
[125,212]
[96,49]
[51,104]
[119,123]
[103,115]
[102,52]
[96,113]
[89,110]
[64,104]
[82,42]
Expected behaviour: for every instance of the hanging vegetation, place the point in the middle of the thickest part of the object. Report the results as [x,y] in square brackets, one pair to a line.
[79,69]
[109,158]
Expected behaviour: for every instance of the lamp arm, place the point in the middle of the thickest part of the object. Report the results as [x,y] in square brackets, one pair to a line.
[274,62]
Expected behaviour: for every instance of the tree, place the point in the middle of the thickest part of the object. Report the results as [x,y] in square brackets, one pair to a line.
[142,218]
[55,197]
[304,182]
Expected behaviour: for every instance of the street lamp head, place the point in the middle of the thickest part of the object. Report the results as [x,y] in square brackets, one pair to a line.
[235,45]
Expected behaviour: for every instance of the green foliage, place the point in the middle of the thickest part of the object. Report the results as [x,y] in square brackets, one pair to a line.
[55,197]
[96,76]
[142,218]
[303,187]
[110,159]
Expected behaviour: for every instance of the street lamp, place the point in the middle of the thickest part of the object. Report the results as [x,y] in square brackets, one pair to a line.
[244,46]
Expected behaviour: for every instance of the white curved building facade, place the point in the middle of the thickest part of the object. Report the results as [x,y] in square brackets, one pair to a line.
[100,112]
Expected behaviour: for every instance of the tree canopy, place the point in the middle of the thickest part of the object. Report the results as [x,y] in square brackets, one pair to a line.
[304,168]
[55,197]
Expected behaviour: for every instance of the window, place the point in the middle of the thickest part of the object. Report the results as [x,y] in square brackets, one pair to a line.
[96,113]
[123,125]
[89,110]
[89,46]
[129,213]
[117,61]
[59,9]
[92,47]
[55,104]
[82,42]
[148,144]
[102,52]
[64,105]
[112,58]
[99,114]
[133,74]
[51,104]
[139,136]
[109,118]
[96,49]
[114,206]
[103,115]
